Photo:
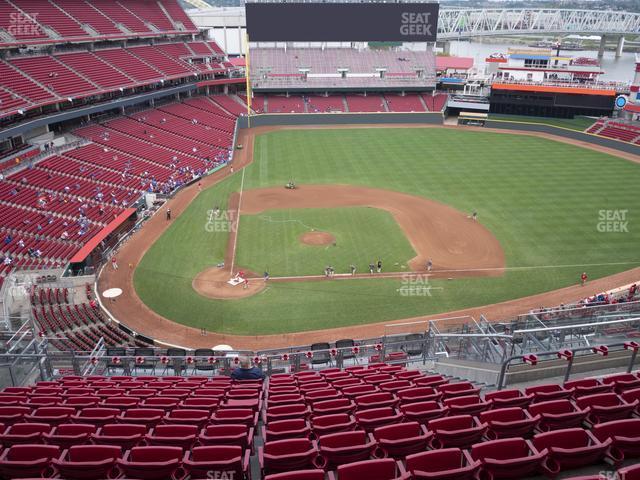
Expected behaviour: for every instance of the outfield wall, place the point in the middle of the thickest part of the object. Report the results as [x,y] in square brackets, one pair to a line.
[276,119]
[564,132]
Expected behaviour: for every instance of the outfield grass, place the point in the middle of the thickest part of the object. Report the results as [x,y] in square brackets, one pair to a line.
[578,123]
[271,241]
[542,200]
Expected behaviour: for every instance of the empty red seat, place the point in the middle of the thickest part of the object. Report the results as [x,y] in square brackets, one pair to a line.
[183,436]
[458,389]
[330,407]
[508,398]
[378,378]
[121,403]
[442,464]
[551,391]
[558,414]
[151,463]
[622,381]
[509,422]
[326,424]
[382,469]
[284,412]
[571,448]
[418,394]
[373,418]
[290,428]
[344,447]
[84,401]
[24,433]
[287,455]
[284,399]
[13,414]
[51,415]
[466,405]
[189,416]
[631,472]
[624,434]
[587,386]
[217,461]
[199,403]
[165,403]
[245,416]
[603,407]
[353,391]
[509,458]
[321,395]
[96,415]
[44,401]
[88,462]
[67,434]
[402,439]
[429,380]
[24,461]
[422,412]
[376,400]
[458,431]
[122,435]
[143,416]
[227,434]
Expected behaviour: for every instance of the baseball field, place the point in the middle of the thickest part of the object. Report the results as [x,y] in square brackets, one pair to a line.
[547,211]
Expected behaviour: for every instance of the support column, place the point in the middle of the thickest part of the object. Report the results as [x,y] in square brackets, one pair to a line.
[603,43]
[620,47]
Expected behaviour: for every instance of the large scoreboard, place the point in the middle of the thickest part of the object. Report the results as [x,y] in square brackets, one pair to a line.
[342,22]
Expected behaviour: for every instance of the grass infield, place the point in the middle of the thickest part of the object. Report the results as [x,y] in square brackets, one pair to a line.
[543,200]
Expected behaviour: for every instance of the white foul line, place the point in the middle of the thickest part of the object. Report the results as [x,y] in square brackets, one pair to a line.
[235,238]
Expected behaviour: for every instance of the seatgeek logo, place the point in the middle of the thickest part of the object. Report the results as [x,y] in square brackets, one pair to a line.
[613,221]
[413,23]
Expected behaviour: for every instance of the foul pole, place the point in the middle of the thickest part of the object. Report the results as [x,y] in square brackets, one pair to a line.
[248,78]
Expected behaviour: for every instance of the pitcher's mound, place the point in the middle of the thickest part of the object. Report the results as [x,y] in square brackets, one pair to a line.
[317,238]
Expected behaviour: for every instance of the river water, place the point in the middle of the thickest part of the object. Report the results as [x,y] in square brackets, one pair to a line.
[616,69]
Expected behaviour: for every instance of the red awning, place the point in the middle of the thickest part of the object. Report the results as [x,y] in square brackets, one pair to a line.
[88,247]
[455,63]
[631,107]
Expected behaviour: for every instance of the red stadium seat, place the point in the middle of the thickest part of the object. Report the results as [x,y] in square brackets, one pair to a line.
[285,412]
[164,403]
[125,436]
[149,417]
[282,429]
[344,447]
[67,434]
[96,416]
[183,436]
[217,461]
[631,472]
[508,398]
[458,389]
[24,433]
[571,448]
[326,424]
[50,415]
[88,462]
[376,400]
[558,414]
[622,382]
[625,435]
[418,394]
[321,395]
[587,386]
[24,461]
[466,405]
[459,431]
[382,469]
[330,407]
[287,455]
[551,391]
[442,464]
[283,399]
[509,458]
[151,463]
[227,434]
[429,381]
[245,416]
[604,407]
[358,390]
[373,418]
[422,412]
[403,439]
[509,422]
[189,416]
[315,474]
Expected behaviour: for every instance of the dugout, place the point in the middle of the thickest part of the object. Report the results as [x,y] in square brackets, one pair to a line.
[473,119]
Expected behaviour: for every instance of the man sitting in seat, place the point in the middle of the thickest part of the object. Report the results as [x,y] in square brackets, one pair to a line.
[246,371]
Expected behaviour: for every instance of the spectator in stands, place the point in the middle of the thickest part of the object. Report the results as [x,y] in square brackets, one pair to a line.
[8,239]
[7,260]
[21,243]
[246,372]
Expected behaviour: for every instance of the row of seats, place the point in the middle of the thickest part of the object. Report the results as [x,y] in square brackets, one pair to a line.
[43,21]
[32,81]
[615,130]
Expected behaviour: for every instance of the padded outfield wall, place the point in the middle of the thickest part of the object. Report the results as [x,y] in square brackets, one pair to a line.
[430,118]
